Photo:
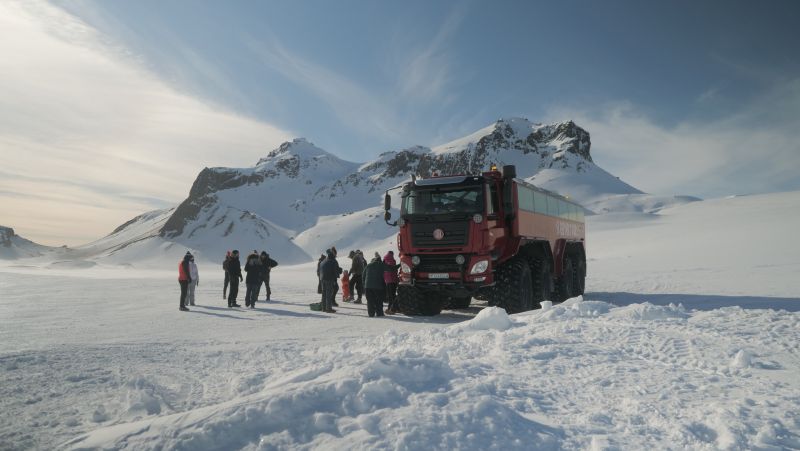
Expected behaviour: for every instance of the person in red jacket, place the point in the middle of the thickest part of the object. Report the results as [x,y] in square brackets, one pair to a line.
[184,278]
[346,287]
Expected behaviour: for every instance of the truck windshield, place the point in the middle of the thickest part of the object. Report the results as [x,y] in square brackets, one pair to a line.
[444,200]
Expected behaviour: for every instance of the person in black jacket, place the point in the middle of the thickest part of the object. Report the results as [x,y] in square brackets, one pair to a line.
[319,274]
[336,286]
[356,271]
[227,276]
[235,271]
[266,267]
[330,272]
[184,279]
[375,287]
[254,272]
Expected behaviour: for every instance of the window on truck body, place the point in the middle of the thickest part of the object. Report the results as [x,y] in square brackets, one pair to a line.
[552,206]
[564,209]
[525,198]
[539,203]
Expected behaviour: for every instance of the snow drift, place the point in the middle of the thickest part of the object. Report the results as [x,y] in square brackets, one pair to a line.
[497,383]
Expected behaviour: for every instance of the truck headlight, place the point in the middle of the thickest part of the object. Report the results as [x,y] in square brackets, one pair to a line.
[478,218]
[480,267]
[405,268]
[415,260]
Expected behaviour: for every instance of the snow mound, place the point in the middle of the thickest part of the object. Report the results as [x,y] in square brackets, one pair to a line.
[576,308]
[412,372]
[742,359]
[355,403]
[650,312]
[490,318]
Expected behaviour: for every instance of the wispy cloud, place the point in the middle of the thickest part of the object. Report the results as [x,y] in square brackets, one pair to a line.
[425,73]
[357,108]
[88,138]
[754,149]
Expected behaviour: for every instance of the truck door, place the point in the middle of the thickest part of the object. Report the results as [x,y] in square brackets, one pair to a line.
[494,216]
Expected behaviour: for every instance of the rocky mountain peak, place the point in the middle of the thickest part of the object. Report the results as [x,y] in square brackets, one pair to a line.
[6,233]
[299,148]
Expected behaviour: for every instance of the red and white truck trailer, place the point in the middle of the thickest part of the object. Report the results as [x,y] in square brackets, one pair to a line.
[490,236]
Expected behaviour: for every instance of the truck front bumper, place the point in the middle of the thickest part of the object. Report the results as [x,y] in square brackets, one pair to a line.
[454,287]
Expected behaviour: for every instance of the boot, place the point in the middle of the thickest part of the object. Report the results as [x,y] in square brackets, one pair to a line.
[184,309]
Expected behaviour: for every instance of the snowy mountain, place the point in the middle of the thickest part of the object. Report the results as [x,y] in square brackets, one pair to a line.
[300,199]
[13,246]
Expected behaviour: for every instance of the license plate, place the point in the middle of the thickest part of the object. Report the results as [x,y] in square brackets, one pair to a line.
[438,275]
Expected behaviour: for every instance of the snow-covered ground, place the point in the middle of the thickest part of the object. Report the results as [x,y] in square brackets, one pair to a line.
[688,337]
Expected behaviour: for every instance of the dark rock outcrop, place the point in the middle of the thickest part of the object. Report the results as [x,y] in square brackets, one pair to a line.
[6,234]
[187,211]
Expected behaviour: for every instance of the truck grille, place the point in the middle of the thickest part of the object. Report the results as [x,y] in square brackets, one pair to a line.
[437,263]
[455,234]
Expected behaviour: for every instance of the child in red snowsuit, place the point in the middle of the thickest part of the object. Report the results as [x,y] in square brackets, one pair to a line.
[346,287]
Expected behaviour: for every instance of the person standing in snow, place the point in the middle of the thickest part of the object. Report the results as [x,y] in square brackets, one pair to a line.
[227,276]
[319,274]
[356,271]
[184,278]
[235,271]
[346,295]
[336,285]
[195,280]
[253,268]
[390,278]
[329,271]
[266,267]
[374,286]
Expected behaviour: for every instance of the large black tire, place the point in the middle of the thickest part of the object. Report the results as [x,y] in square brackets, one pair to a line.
[413,302]
[541,283]
[513,286]
[565,288]
[579,284]
[458,303]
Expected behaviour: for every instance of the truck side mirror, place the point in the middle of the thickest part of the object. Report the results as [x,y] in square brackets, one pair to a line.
[387,202]
[387,216]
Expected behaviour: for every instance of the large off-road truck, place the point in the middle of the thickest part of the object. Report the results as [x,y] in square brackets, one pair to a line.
[490,236]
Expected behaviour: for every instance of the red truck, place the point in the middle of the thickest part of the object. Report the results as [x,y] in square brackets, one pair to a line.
[490,236]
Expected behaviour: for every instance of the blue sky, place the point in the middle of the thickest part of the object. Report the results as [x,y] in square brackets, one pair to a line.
[430,71]
[699,97]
